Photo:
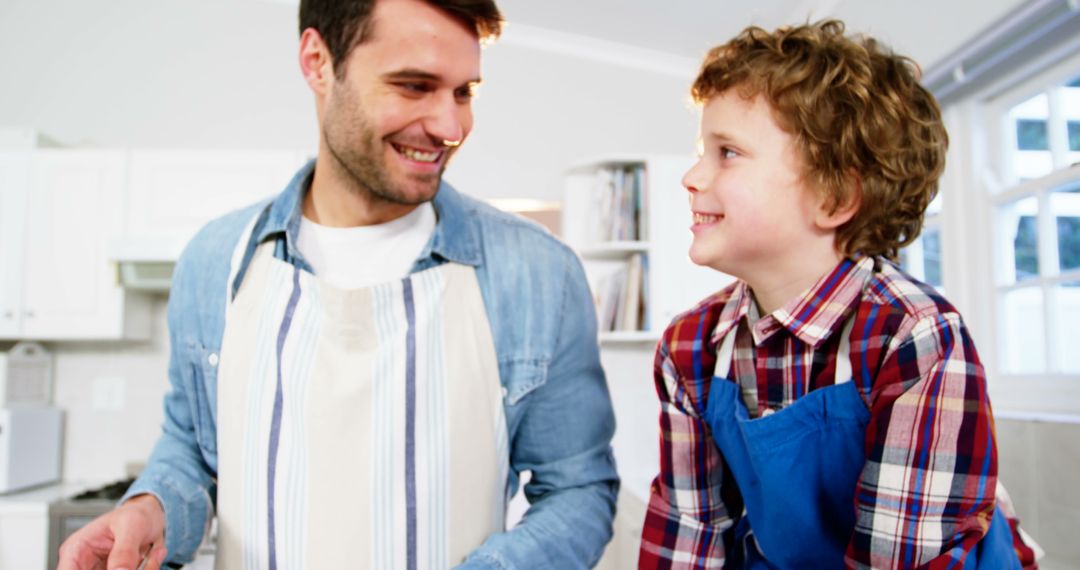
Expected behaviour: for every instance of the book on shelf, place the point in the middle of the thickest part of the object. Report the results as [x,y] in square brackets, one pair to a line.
[618,195]
[646,322]
[631,307]
[619,293]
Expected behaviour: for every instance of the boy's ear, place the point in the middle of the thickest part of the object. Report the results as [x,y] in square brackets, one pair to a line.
[845,209]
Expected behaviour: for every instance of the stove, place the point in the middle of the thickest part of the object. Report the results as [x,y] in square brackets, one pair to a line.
[70,514]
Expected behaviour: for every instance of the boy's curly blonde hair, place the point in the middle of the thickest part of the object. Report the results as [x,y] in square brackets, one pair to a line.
[854,108]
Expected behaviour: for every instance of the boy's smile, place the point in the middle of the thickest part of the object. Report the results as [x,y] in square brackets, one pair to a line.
[701,221]
[754,215]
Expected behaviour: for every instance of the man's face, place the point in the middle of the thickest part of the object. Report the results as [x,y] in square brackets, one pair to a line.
[401,102]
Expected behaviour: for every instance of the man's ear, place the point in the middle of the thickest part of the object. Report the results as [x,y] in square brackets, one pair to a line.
[830,218]
[315,62]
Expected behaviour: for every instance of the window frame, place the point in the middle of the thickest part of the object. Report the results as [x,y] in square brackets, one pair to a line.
[975,185]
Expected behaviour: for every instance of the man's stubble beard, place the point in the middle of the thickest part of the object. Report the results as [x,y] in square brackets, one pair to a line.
[363,164]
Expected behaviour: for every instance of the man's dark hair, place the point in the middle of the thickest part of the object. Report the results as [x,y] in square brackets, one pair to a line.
[345,24]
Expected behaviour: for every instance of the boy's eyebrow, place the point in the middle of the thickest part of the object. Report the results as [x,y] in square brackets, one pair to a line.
[720,135]
[421,75]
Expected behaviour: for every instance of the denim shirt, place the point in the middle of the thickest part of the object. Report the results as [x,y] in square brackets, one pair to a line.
[558,410]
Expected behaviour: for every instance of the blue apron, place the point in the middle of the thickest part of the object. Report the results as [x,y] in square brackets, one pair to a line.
[797,469]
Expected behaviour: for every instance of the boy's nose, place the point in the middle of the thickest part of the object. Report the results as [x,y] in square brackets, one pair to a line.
[689,180]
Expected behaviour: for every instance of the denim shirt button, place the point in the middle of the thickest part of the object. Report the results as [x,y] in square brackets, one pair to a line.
[505,391]
[212,359]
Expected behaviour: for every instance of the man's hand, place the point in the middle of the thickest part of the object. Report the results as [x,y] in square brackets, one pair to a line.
[119,539]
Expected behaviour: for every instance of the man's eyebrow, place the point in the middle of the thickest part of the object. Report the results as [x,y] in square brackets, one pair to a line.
[410,74]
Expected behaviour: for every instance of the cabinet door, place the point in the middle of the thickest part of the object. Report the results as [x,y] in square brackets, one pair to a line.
[75,206]
[14,185]
[24,538]
[174,193]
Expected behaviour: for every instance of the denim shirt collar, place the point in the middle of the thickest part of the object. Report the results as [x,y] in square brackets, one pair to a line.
[455,237]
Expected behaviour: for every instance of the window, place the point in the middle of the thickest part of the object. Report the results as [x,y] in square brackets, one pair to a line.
[1005,242]
[922,258]
[1038,227]
[1009,232]
[1018,147]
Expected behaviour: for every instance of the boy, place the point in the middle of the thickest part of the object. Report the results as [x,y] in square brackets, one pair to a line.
[825,410]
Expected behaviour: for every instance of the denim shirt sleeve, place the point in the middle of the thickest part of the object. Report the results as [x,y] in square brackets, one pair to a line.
[563,437]
[177,472]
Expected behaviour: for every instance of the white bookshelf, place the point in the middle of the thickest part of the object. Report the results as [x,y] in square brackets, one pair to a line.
[671,283]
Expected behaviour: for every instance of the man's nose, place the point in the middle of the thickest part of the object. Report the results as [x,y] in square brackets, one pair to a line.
[448,120]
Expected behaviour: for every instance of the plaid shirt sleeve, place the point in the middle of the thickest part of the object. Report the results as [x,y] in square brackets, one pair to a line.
[686,516]
[926,494]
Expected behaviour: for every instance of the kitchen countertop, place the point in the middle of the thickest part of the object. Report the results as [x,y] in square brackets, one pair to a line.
[36,500]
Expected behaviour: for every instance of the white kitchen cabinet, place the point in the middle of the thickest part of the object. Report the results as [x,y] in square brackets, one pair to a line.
[24,539]
[57,277]
[14,187]
[173,193]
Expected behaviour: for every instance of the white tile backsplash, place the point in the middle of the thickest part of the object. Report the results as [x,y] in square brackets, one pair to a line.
[112,395]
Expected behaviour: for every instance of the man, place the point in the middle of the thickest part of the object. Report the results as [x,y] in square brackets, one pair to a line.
[362,367]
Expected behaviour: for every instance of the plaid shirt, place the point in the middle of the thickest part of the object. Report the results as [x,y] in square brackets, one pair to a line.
[926,494]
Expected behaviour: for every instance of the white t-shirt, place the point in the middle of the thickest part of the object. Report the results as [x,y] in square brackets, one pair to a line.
[350,258]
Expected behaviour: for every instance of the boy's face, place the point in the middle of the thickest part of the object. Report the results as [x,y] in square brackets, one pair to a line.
[754,217]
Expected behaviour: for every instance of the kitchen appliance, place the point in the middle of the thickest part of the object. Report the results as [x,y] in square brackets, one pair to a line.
[30,438]
[72,513]
[69,514]
[25,375]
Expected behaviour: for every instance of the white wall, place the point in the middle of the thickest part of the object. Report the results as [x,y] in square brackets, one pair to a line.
[192,73]
[224,74]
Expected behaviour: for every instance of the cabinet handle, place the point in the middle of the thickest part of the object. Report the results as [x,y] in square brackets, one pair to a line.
[29,314]
[9,314]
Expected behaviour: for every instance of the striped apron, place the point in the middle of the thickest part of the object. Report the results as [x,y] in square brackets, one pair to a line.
[358,428]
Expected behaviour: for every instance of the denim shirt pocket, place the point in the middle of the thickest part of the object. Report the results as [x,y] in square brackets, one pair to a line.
[202,393]
[521,376]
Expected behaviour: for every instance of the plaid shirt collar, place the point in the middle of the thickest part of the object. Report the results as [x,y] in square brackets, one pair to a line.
[811,317]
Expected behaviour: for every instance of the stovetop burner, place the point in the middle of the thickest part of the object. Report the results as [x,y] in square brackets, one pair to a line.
[110,492]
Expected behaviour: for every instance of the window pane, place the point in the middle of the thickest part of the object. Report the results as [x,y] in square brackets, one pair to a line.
[1032,157]
[1022,339]
[932,256]
[1020,238]
[1068,327]
[1032,135]
[934,207]
[1070,108]
[1066,206]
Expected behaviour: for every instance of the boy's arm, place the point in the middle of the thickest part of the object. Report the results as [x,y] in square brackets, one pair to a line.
[686,517]
[926,494]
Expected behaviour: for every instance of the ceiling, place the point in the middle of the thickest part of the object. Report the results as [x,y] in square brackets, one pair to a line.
[687,28]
